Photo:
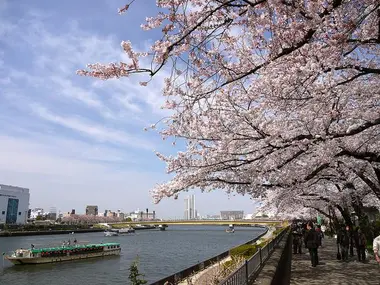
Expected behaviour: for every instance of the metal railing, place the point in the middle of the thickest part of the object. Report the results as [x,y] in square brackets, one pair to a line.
[177,277]
[248,270]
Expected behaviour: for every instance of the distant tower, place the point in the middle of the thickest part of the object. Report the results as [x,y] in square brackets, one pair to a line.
[194,212]
[186,212]
[147,213]
[190,212]
[154,215]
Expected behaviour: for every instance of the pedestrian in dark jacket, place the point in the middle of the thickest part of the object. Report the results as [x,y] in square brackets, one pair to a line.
[360,243]
[297,239]
[352,242]
[344,241]
[311,240]
[319,234]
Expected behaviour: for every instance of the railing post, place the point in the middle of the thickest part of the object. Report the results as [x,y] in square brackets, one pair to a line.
[246,272]
[261,257]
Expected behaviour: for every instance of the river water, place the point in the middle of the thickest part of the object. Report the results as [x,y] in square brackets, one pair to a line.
[160,253]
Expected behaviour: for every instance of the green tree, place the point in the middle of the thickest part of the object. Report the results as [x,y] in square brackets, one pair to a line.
[134,274]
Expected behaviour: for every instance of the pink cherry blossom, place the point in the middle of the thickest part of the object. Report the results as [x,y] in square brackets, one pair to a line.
[276,99]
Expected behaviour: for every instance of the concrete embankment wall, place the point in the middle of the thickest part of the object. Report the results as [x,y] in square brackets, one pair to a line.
[175,278]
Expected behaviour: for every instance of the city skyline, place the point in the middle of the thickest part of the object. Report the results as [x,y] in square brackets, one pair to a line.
[75,141]
[202,207]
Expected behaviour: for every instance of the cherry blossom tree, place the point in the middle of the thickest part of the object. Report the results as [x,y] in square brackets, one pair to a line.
[336,192]
[89,219]
[265,93]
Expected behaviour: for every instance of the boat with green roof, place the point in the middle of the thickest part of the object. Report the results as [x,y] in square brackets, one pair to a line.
[62,253]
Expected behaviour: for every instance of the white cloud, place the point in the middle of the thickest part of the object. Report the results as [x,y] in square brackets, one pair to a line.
[102,156]
[94,131]
[66,88]
[115,111]
[57,56]
[72,173]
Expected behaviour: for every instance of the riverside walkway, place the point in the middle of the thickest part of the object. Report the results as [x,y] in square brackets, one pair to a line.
[212,273]
[332,271]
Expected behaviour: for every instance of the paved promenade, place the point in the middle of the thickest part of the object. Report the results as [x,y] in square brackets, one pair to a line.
[332,271]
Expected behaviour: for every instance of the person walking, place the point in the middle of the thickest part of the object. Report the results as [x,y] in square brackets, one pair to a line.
[297,239]
[376,248]
[360,243]
[344,240]
[319,234]
[311,240]
[352,242]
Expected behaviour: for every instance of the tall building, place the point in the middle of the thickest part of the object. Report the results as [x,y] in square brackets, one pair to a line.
[92,210]
[14,204]
[190,212]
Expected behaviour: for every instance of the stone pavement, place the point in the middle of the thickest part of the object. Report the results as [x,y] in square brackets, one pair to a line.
[332,271]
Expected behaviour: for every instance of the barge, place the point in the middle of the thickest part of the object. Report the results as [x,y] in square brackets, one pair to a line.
[62,253]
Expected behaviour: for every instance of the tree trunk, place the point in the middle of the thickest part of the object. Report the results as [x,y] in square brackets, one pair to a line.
[345,212]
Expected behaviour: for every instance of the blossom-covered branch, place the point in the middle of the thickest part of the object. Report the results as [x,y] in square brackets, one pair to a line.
[264,92]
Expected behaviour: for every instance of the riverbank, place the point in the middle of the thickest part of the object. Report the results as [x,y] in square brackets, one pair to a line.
[8,233]
[46,232]
[208,275]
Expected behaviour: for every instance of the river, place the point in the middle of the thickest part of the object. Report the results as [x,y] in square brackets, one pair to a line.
[160,253]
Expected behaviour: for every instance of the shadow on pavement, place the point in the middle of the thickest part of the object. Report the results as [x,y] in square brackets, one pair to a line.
[331,271]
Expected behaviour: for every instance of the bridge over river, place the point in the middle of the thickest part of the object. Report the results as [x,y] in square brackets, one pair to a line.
[253,222]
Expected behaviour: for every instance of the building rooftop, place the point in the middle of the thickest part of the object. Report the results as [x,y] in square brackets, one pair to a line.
[13,188]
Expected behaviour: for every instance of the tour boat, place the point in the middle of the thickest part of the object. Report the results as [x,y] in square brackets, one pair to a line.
[62,253]
[111,233]
[230,229]
[162,227]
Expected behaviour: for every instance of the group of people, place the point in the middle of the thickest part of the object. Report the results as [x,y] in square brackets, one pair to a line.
[68,243]
[347,240]
[310,236]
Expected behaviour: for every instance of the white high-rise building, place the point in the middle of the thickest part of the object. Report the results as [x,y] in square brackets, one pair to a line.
[190,212]
[14,204]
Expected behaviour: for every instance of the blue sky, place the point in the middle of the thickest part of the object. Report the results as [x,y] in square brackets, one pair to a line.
[75,140]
